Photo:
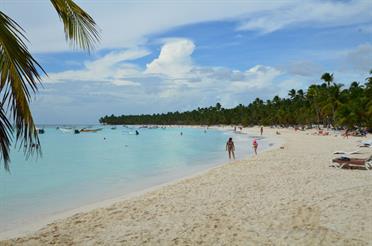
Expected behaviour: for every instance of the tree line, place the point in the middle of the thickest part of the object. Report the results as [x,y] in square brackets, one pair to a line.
[328,104]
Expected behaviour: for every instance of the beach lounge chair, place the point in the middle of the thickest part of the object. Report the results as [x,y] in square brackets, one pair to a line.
[367,143]
[352,163]
[341,152]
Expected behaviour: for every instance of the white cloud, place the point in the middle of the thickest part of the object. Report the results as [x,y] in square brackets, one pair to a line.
[359,58]
[124,83]
[304,68]
[124,24]
[175,66]
[127,24]
[170,76]
[174,59]
[314,13]
[116,57]
[110,68]
[257,77]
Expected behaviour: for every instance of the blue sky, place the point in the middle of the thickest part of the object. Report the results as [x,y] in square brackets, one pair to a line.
[159,56]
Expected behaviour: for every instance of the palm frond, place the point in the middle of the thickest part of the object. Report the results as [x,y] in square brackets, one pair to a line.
[5,136]
[80,28]
[19,75]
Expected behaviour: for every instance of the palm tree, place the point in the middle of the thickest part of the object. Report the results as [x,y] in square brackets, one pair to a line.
[292,93]
[327,78]
[20,76]
[333,100]
[218,106]
[314,96]
[368,101]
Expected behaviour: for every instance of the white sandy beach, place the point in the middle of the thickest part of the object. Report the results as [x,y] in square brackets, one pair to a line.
[282,196]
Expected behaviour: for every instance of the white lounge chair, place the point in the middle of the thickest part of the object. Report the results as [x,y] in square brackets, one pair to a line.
[352,163]
[341,152]
[366,143]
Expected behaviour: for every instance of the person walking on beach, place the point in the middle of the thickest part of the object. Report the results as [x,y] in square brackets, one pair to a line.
[255,145]
[346,134]
[261,130]
[230,147]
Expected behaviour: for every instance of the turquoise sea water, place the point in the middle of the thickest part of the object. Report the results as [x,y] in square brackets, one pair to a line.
[80,169]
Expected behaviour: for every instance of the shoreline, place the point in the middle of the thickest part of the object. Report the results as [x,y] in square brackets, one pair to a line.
[34,227]
[287,195]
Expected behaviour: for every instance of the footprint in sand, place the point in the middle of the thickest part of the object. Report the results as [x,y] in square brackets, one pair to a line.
[306,217]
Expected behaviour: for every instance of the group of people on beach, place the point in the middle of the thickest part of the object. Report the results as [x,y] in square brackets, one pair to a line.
[230,146]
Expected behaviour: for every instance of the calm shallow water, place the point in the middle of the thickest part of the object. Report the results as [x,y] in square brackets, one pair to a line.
[79,169]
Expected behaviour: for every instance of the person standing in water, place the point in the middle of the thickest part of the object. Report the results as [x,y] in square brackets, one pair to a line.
[230,147]
[261,130]
[255,145]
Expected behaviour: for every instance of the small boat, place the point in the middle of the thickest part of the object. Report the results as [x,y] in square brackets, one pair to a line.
[40,130]
[113,128]
[91,130]
[65,130]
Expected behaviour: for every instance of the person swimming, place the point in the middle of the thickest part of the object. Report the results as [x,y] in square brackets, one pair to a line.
[230,147]
[255,145]
[137,133]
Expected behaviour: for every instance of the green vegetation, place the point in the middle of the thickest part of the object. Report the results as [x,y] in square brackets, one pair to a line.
[327,104]
[20,74]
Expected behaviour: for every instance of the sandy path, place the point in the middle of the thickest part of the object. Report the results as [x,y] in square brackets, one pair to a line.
[284,196]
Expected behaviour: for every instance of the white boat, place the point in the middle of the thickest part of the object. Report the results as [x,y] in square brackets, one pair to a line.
[66,130]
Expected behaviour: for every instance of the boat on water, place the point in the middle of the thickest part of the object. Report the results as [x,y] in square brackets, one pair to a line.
[91,130]
[65,130]
[40,130]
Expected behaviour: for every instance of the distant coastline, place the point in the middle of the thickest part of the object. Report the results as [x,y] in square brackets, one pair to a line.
[328,104]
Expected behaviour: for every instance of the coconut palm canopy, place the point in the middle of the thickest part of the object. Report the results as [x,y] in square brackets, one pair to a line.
[320,104]
[20,75]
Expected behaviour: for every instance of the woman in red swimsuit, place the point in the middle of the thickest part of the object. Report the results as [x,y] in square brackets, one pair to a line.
[255,145]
